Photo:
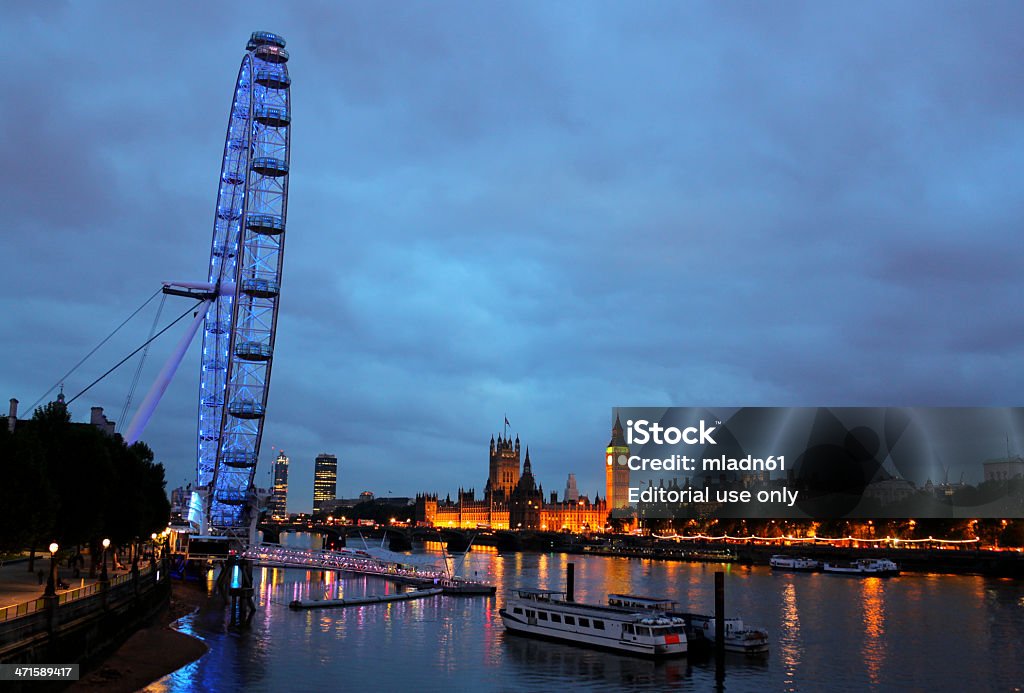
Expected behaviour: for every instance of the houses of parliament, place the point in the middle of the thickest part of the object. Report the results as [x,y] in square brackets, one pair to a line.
[512,498]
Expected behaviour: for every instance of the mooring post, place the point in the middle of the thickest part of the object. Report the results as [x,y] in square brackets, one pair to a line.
[719,624]
[719,612]
[227,569]
[570,582]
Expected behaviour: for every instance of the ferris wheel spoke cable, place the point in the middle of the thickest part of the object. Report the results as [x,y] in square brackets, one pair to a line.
[142,362]
[94,350]
[140,348]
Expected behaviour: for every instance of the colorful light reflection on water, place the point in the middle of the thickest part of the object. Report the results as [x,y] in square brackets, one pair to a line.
[919,632]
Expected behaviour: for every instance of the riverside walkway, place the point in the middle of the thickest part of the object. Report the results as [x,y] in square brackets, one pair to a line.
[21,591]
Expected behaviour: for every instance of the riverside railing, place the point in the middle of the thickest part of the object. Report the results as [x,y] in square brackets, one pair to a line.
[32,606]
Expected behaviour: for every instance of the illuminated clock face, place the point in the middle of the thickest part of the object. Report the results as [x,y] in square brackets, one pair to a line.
[609,459]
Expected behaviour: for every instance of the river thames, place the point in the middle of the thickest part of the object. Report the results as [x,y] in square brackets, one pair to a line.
[828,633]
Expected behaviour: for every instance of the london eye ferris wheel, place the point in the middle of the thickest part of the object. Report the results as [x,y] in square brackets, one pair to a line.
[238,313]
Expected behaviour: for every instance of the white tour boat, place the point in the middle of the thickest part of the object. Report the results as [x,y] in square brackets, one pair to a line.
[547,614]
[795,563]
[737,637]
[875,567]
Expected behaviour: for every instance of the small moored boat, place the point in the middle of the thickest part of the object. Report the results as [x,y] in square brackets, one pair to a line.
[700,627]
[738,638]
[866,567]
[794,563]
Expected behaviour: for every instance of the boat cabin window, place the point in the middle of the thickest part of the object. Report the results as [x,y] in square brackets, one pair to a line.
[585,623]
[556,618]
[542,615]
[517,610]
[599,625]
[627,628]
[570,621]
[530,613]
[643,630]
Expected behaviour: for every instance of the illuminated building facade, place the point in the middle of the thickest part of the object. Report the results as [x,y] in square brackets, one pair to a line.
[526,500]
[325,480]
[504,466]
[512,499]
[278,505]
[616,470]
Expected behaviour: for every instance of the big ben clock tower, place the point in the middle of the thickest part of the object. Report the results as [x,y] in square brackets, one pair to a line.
[616,472]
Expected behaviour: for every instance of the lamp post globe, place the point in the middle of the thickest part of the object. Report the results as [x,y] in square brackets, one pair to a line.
[103,560]
[51,582]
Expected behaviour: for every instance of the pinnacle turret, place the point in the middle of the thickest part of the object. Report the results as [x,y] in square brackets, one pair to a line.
[618,439]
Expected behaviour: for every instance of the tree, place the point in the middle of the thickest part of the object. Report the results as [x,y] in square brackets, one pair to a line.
[617,524]
[75,484]
[28,503]
[1013,534]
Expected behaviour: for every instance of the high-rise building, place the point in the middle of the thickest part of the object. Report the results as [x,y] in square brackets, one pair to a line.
[616,473]
[325,480]
[278,506]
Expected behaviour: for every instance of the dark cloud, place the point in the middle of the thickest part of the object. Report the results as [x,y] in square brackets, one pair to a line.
[539,209]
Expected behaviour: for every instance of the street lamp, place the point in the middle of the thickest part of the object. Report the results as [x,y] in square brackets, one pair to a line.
[103,558]
[51,583]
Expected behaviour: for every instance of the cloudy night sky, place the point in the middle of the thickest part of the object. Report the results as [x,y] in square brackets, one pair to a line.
[539,209]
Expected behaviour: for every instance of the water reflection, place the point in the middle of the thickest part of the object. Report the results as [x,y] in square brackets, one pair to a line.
[544,571]
[537,663]
[874,647]
[789,636]
[827,633]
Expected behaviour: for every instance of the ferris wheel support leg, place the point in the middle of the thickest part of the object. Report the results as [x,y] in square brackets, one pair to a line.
[148,406]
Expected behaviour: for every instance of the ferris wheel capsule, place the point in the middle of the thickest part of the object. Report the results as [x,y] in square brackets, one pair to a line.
[264,38]
[268,224]
[274,79]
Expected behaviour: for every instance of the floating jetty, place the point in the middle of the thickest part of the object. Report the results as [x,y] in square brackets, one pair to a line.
[362,601]
[362,563]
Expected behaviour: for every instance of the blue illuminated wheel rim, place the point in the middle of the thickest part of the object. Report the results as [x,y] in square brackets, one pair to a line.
[246,259]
